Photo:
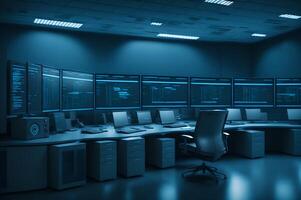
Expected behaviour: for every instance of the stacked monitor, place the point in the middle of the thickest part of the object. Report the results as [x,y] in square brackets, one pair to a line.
[51,90]
[211,92]
[256,92]
[77,91]
[36,88]
[117,91]
[17,93]
[164,91]
[288,92]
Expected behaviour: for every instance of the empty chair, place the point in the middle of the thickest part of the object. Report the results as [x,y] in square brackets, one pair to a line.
[208,141]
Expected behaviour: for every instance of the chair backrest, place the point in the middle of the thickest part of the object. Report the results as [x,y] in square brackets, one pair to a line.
[208,135]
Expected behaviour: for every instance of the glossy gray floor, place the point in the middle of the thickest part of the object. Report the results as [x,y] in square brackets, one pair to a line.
[273,177]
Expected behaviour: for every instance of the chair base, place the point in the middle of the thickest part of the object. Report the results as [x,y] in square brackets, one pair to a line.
[203,170]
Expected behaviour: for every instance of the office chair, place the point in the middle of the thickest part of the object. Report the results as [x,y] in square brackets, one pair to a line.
[208,141]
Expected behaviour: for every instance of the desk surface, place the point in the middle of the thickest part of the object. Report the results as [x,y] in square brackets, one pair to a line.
[74,136]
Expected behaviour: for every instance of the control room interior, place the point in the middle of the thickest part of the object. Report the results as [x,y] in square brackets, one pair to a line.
[141,99]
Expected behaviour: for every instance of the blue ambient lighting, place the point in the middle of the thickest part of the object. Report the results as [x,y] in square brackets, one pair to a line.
[156,23]
[186,37]
[290,16]
[258,35]
[220,2]
[57,23]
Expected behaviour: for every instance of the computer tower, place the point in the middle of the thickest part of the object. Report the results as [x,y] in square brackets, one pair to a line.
[102,160]
[67,165]
[23,168]
[28,128]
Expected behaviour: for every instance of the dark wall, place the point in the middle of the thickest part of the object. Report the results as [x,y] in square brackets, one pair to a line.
[279,56]
[98,53]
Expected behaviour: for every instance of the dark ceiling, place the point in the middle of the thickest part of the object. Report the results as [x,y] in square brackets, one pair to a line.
[210,22]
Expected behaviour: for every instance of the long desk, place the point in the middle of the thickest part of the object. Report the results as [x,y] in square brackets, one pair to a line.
[74,136]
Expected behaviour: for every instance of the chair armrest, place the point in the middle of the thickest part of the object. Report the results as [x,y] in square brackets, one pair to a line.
[187,136]
[226,134]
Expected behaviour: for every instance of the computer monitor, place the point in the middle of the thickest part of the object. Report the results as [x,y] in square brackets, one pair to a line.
[234,114]
[58,122]
[144,117]
[288,92]
[163,91]
[256,115]
[211,92]
[120,119]
[294,114]
[34,86]
[17,92]
[167,116]
[117,91]
[77,91]
[51,89]
[256,92]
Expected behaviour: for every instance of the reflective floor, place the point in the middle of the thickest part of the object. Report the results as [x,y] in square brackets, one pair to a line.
[273,177]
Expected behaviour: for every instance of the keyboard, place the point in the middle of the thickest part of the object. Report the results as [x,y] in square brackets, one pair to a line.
[129,130]
[174,125]
[93,130]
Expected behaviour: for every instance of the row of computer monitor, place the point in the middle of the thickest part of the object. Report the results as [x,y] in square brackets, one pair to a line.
[36,88]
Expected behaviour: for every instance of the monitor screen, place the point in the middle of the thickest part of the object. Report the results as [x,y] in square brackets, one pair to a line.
[255,115]
[120,119]
[144,117]
[117,91]
[77,91]
[167,116]
[17,89]
[254,92]
[288,92]
[294,114]
[211,92]
[234,114]
[51,90]
[34,86]
[162,91]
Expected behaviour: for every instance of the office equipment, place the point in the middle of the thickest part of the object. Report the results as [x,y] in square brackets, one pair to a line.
[23,168]
[255,114]
[102,160]
[163,91]
[117,91]
[144,117]
[294,114]
[67,165]
[168,119]
[29,128]
[120,119]
[209,142]
[77,91]
[210,92]
[51,89]
[161,152]
[288,92]
[256,92]
[34,88]
[249,143]
[131,157]
[57,122]
[17,92]
[93,130]
[234,115]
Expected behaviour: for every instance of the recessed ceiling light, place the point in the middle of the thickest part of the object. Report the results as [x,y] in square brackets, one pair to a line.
[220,2]
[156,24]
[57,23]
[186,37]
[290,16]
[259,35]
